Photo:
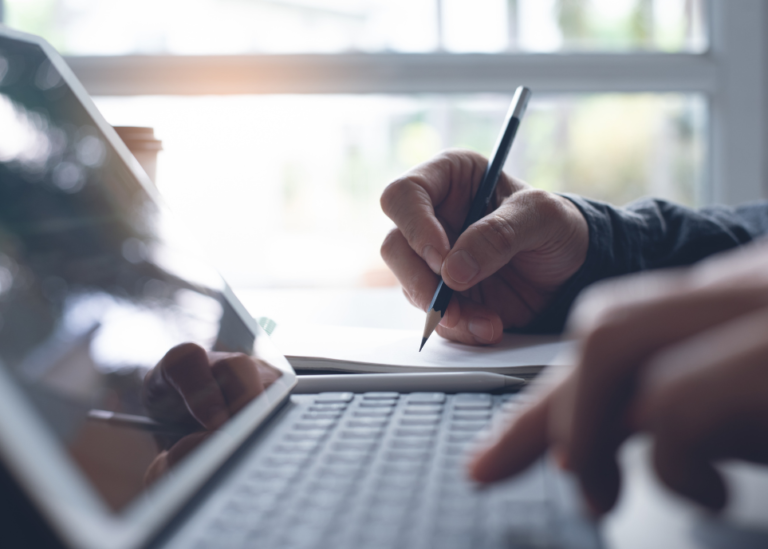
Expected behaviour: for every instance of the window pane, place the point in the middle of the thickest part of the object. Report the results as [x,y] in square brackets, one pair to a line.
[325,26]
[283,190]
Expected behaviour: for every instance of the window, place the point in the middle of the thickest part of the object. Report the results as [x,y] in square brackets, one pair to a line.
[282,120]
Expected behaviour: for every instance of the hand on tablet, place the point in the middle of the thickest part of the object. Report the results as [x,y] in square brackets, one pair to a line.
[681,356]
[203,390]
[505,267]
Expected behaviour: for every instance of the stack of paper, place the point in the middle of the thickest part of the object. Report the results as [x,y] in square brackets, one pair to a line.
[348,349]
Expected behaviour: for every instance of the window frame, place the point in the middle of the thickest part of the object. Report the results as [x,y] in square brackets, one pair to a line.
[731,74]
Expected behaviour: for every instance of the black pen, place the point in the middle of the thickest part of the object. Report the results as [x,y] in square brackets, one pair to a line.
[479,206]
[141,423]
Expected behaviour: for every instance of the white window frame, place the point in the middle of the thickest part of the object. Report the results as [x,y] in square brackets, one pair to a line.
[732,74]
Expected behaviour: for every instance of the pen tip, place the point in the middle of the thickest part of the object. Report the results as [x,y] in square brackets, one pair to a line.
[423,341]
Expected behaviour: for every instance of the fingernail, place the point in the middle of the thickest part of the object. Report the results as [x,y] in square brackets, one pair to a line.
[482,329]
[433,259]
[461,266]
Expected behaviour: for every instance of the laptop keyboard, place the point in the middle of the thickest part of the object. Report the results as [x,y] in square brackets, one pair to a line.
[379,470]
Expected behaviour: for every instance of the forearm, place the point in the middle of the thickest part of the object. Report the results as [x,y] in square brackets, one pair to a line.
[650,234]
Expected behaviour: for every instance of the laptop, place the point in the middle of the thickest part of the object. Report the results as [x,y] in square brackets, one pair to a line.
[98,287]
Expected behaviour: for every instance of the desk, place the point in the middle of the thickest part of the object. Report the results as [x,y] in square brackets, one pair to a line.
[647,517]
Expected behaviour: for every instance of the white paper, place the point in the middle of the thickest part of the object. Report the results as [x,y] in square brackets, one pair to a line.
[376,350]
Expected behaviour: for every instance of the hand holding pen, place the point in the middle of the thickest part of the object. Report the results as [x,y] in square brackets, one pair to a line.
[505,268]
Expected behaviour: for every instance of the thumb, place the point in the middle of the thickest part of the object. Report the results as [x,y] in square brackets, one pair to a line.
[525,221]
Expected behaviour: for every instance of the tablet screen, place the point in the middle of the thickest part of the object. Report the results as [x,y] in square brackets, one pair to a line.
[121,339]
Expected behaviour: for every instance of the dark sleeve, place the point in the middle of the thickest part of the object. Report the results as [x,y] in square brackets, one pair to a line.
[650,234]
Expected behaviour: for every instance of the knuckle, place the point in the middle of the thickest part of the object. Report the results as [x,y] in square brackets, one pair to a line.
[404,201]
[544,204]
[498,234]
[598,307]
[401,193]
[389,245]
[183,356]
[603,330]
[390,194]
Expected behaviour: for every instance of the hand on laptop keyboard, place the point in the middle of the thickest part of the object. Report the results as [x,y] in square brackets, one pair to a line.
[203,390]
[682,356]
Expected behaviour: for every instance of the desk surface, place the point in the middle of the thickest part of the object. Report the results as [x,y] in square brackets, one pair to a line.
[648,516]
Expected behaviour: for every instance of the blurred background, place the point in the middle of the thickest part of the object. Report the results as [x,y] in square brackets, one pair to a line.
[283,120]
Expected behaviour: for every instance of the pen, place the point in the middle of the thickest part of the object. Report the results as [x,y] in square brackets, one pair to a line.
[142,423]
[443,382]
[479,205]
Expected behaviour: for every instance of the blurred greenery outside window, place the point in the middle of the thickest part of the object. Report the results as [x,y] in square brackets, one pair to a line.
[273,183]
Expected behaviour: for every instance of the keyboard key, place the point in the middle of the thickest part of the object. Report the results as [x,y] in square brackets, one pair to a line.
[461,437]
[468,425]
[367,423]
[452,540]
[412,443]
[324,398]
[425,398]
[361,434]
[336,475]
[272,475]
[407,456]
[381,396]
[384,513]
[378,404]
[321,498]
[416,432]
[473,397]
[472,406]
[398,483]
[300,436]
[472,415]
[321,415]
[314,425]
[330,407]
[423,410]
[512,406]
[296,447]
[257,486]
[373,412]
[347,458]
[356,446]
[456,449]
[285,461]
[420,420]
[409,470]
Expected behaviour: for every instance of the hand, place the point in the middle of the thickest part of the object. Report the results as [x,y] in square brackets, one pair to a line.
[681,356]
[168,459]
[505,268]
[198,389]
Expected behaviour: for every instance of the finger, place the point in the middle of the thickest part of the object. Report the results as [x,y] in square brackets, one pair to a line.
[522,443]
[186,369]
[705,399]
[411,201]
[162,401]
[475,324]
[523,222]
[693,478]
[167,459]
[600,479]
[626,323]
[238,378]
[527,437]
[418,281]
